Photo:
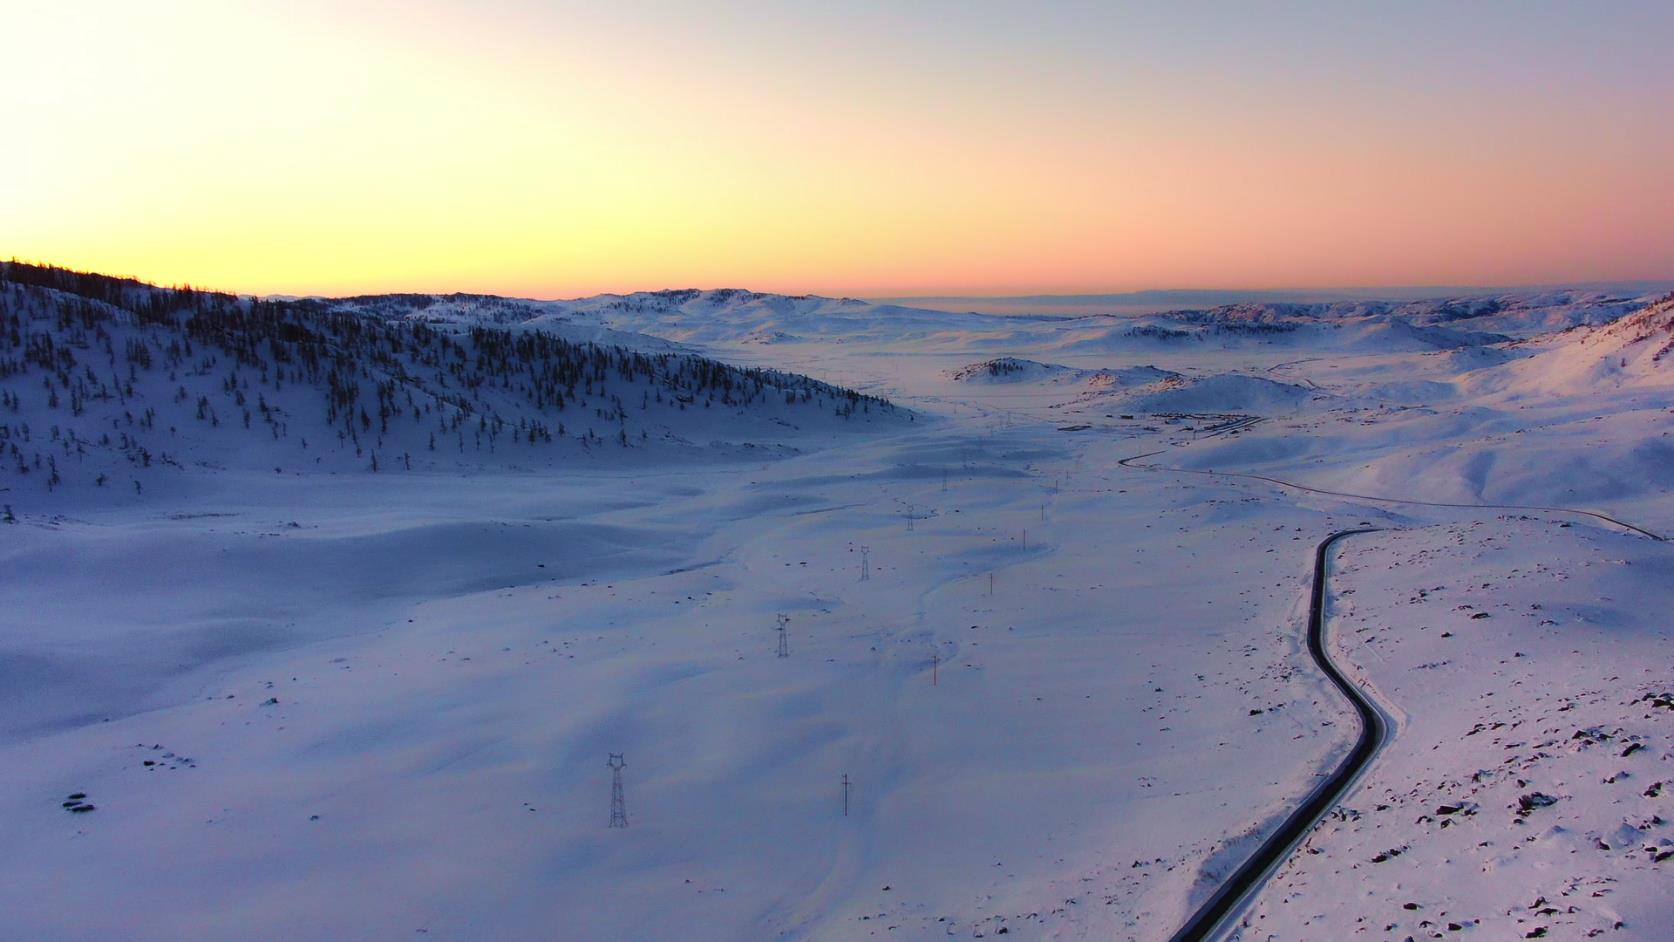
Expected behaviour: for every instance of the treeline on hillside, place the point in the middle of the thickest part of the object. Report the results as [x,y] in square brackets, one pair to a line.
[92,363]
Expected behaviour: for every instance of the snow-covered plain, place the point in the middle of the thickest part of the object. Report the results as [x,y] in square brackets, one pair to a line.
[1068,695]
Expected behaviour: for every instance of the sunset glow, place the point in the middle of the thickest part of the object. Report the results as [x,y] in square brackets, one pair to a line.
[556,149]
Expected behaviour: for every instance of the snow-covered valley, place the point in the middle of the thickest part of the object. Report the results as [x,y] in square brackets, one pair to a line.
[1029,689]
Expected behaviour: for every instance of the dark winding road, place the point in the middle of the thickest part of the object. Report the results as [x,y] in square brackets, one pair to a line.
[1240,887]
[1214,917]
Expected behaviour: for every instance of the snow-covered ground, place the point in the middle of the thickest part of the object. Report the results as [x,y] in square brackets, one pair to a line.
[1068,695]
[1523,796]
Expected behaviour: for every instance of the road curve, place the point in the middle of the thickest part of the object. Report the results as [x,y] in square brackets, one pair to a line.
[1216,915]
[1238,889]
[1389,500]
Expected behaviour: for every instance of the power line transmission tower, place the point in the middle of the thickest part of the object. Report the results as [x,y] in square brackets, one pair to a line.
[784,642]
[909,518]
[865,563]
[618,803]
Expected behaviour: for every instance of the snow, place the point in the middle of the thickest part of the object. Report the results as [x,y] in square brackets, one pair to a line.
[335,702]
[1223,392]
[1523,790]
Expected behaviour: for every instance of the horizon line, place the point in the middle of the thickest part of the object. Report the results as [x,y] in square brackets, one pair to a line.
[1346,292]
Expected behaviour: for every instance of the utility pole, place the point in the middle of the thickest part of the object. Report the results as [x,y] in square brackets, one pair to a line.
[845,794]
[865,563]
[1025,539]
[935,666]
[909,518]
[618,804]
[990,585]
[784,642]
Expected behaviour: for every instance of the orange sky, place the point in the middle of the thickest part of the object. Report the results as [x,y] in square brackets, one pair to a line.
[554,149]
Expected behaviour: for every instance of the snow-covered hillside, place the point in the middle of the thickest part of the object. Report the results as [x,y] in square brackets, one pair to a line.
[1357,326]
[1142,388]
[725,318]
[1012,370]
[1525,795]
[728,316]
[1636,351]
[111,384]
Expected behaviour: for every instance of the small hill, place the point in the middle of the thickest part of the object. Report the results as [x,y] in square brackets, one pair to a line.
[1129,376]
[1221,392]
[1150,389]
[1010,370]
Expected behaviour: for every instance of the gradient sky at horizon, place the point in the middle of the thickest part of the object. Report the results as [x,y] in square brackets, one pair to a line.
[873,149]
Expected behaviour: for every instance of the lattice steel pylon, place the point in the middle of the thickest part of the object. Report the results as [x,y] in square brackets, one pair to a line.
[784,642]
[618,803]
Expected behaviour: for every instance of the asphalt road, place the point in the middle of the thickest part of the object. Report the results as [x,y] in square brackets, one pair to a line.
[1217,914]
[1221,909]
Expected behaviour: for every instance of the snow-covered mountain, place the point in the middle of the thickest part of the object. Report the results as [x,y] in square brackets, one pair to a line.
[110,383]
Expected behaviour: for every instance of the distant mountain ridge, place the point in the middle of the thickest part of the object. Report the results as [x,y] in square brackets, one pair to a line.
[1156,301]
[731,317]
